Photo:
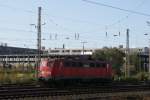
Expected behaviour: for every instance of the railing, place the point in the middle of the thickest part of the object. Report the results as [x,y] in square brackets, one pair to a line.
[29,57]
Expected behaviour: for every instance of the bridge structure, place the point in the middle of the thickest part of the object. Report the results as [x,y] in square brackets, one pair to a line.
[29,58]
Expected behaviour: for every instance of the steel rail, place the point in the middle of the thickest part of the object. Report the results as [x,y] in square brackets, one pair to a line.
[23,92]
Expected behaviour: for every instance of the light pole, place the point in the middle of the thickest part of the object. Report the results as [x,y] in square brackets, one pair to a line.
[116,36]
[148,54]
[27,53]
[83,46]
[64,46]
[149,58]
[148,23]
[39,32]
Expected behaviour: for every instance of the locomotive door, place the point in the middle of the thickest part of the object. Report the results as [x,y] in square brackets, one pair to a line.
[107,70]
[60,69]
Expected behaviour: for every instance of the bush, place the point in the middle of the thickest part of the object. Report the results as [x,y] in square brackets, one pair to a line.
[143,76]
[16,77]
[127,80]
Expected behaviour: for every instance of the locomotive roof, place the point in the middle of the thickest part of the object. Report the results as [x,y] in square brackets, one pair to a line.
[85,60]
[78,58]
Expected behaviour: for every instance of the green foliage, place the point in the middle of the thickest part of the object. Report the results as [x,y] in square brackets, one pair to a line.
[18,74]
[112,55]
[135,61]
[142,76]
[16,77]
[129,79]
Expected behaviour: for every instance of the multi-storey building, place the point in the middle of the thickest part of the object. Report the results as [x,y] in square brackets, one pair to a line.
[7,50]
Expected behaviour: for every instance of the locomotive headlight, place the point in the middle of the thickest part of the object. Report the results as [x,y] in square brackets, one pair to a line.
[43,72]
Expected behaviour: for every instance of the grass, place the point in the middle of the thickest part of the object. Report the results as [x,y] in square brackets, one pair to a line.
[141,76]
[14,76]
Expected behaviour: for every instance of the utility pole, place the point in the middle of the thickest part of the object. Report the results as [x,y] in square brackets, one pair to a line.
[148,23]
[127,69]
[149,58]
[83,46]
[38,40]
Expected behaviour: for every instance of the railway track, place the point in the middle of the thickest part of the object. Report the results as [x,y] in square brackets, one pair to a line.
[11,92]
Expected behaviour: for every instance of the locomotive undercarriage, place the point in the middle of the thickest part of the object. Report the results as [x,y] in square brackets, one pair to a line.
[74,81]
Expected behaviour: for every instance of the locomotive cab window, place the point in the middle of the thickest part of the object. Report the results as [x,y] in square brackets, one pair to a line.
[50,64]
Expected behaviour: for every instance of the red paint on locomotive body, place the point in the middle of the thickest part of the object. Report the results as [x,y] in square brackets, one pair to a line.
[74,69]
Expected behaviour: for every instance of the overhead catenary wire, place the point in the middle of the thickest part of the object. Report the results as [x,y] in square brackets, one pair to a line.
[54,22]
[50,19]
[117,8]
[108,26]
[126,17]
[17,30]
[76,20]
[17,9]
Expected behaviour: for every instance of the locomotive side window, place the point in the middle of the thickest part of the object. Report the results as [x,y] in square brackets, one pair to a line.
[103,65]
[74,64]
[92,64]
[67,64]
[86,65]
[80,64]
[77,64]
[97,64]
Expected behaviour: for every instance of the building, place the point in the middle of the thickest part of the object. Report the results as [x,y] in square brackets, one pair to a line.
[7,50]
[142,53]
[143,56]
[62,51]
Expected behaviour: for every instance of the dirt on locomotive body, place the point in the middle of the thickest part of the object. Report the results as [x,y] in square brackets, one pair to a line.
[74,70]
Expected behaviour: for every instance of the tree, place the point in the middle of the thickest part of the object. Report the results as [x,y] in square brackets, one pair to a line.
[112,55]
[135,61]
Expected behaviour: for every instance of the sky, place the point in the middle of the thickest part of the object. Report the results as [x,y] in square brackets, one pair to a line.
[72,22]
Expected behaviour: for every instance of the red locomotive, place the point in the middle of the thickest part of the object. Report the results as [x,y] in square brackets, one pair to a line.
[74,69]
